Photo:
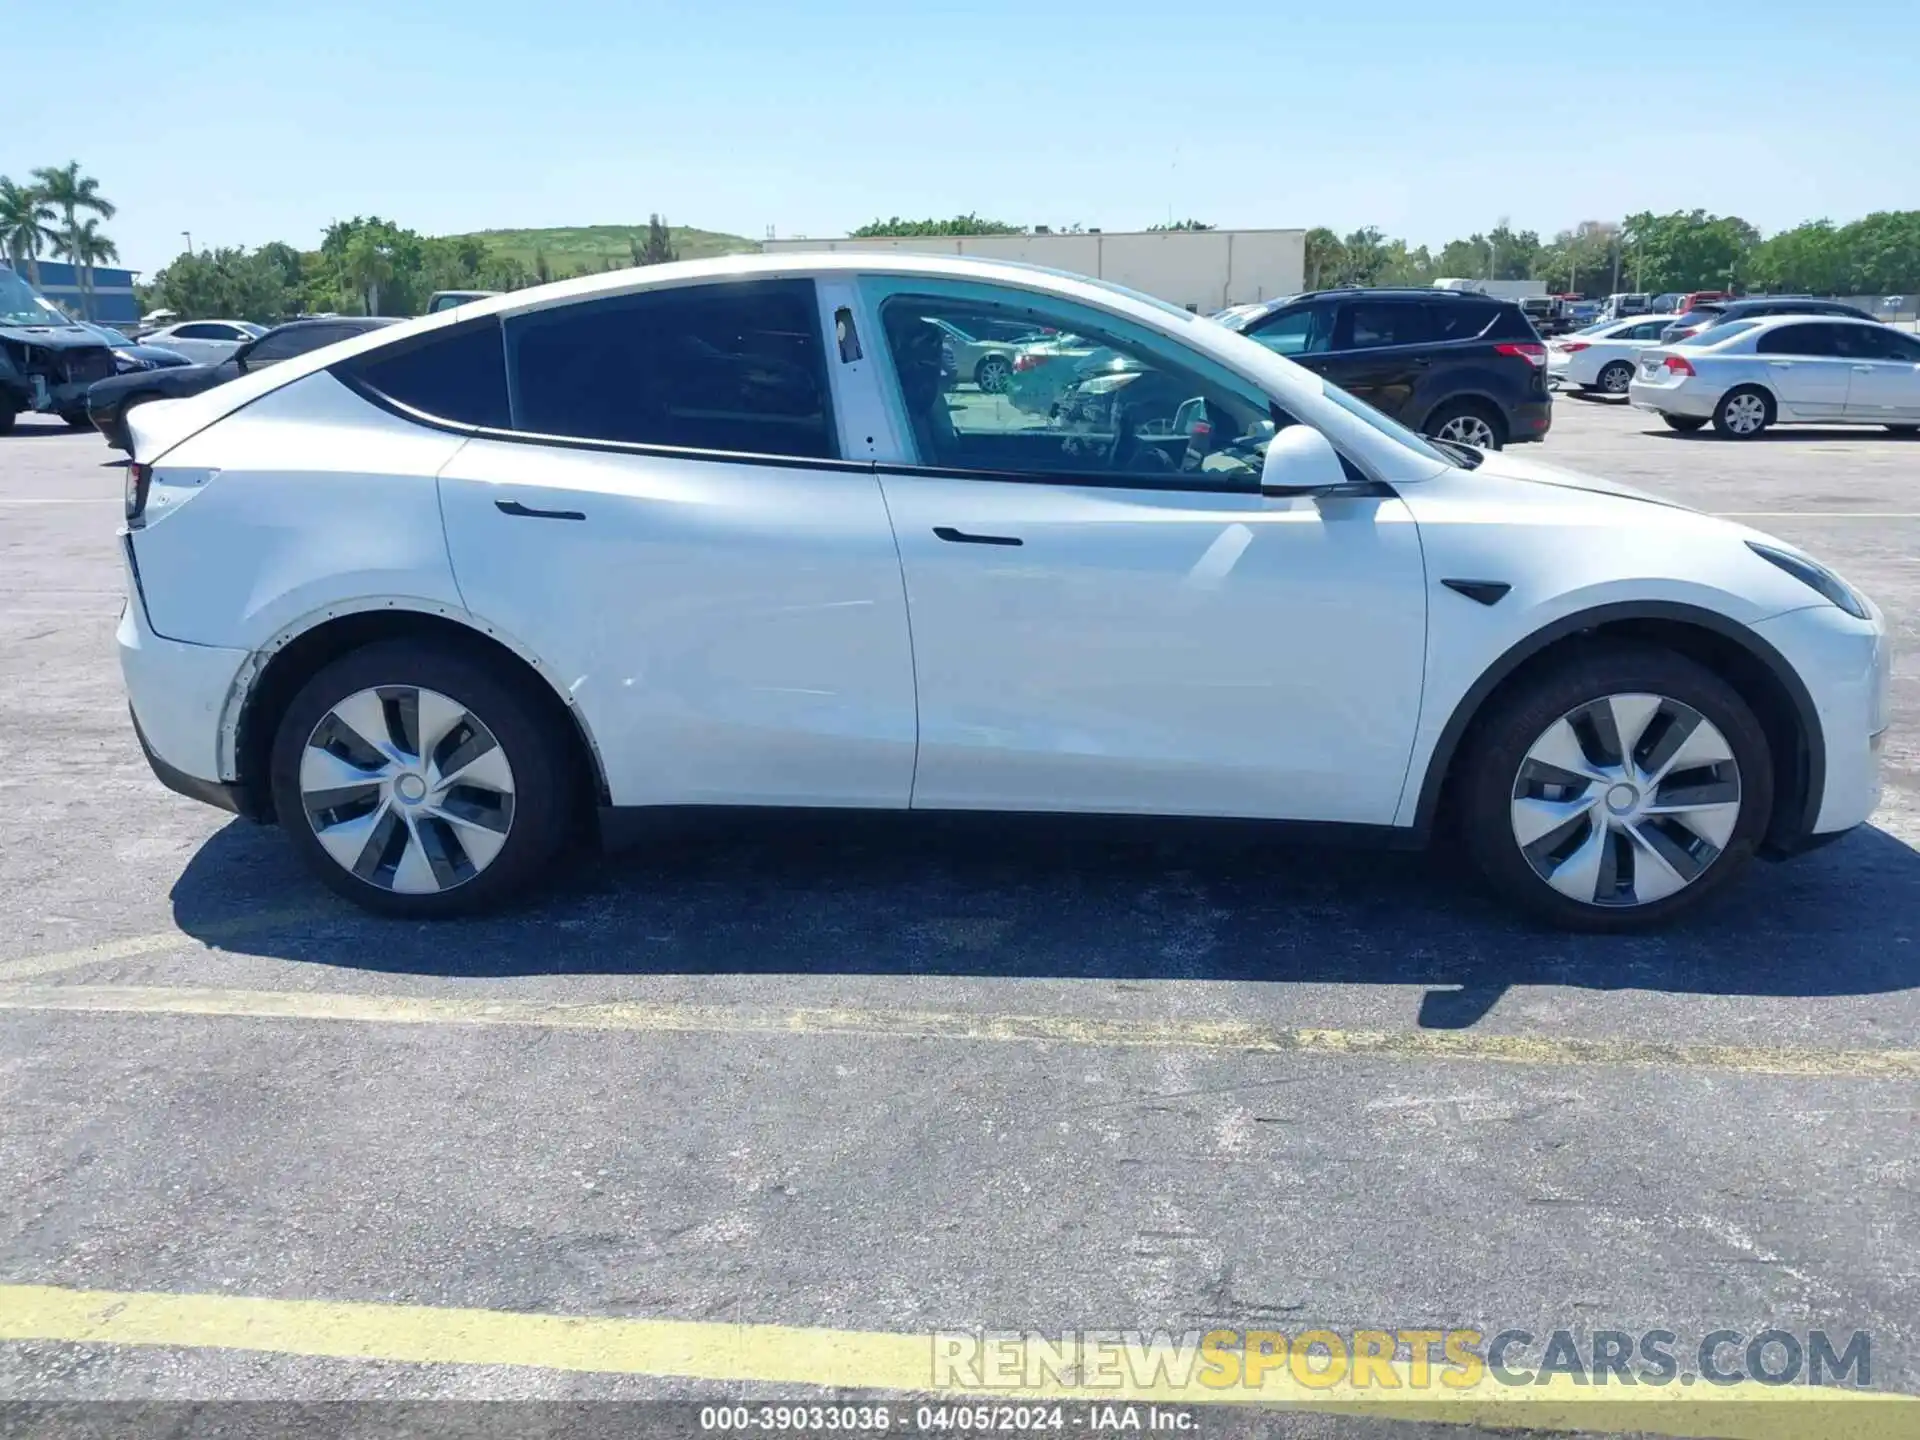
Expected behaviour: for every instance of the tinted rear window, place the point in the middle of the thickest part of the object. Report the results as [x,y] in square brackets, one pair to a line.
[458,374]
[1462,319]
[735,367]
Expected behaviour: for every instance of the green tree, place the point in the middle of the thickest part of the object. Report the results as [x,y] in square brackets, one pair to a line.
[968,224]
[25,226]
[1182,225]
[69,192]
[367,264]
[658,248]
[1686,250]
[1324,257]
[84,246]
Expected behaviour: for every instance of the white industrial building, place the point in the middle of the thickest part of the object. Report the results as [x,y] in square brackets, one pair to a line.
[1199,269]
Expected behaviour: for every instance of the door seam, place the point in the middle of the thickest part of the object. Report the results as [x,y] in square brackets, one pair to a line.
[913,647]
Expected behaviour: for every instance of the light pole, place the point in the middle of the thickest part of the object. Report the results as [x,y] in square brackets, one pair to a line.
[188,234]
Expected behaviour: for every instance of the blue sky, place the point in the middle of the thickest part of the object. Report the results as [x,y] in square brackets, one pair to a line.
[246,121]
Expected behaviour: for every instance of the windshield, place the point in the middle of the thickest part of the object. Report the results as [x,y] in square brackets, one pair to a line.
[252,329]
[1390,427]
[21,304]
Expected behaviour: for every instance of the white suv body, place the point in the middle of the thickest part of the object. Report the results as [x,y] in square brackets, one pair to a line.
[428,595]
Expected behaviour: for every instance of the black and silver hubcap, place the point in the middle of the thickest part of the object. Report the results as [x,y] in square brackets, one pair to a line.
[407,789]
[1615,379]
[1626,800]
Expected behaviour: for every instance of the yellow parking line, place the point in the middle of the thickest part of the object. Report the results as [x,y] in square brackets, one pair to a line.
[30,966]
[640,1016]
[867,1361]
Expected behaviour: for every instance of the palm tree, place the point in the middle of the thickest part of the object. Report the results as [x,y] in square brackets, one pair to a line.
[85,246]
[70,192]
[24,214]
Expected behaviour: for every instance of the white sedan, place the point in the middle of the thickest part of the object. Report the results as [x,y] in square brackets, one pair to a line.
[1603,357]
[1747,375]
[205,342]
[724,533]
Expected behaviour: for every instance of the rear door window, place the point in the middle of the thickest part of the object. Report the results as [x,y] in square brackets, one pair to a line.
[736,368]
[1371,324]
[1813,339]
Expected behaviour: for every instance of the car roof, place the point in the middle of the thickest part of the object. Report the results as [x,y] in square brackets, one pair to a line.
[360,322]
[1397,292]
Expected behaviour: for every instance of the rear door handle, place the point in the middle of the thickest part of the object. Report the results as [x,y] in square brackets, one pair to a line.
[960,537]
[1781,364]
[514,507]
[1864,369]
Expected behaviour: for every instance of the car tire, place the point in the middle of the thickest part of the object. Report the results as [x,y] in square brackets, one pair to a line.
[1611,866]
[1685,424]
[993,374]
[1744,413]
[401,841]
[1614,378]
[1905,429]
[6,421]
[1461,419]
[75,419]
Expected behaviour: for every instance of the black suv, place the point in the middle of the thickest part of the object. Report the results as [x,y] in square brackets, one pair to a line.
[1447,362]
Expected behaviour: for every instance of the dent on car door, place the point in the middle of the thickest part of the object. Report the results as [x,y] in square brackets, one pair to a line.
[1108,616]
[667,522]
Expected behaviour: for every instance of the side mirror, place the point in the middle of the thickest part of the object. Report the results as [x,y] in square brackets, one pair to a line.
[1302,461]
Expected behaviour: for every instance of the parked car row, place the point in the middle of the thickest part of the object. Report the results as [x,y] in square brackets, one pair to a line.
[109,401]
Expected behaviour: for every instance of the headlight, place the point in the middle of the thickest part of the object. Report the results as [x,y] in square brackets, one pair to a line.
[126,357]
[1815,577]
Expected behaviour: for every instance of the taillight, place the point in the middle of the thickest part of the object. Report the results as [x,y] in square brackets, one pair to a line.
[1531,351]
[1568,347]
[1027,360]
[139,478]
[1678,364]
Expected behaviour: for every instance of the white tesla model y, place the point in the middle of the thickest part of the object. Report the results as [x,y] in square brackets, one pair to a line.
[734,533]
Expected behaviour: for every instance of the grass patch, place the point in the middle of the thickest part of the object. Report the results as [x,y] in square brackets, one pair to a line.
[570,247]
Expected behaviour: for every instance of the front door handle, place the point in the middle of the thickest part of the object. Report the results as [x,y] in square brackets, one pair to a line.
[514,507]
[1781,364]
[1863,369]
[960,537]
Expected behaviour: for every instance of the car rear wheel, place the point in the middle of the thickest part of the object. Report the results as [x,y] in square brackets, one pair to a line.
[415,782]
[1743,413]
[1616,789]
[993,374]
[1469,423]
[1615,377]
[1905,429]
[1685,424]
[76,419]
[6,420]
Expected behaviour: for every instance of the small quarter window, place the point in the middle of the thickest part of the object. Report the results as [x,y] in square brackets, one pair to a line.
[457,375]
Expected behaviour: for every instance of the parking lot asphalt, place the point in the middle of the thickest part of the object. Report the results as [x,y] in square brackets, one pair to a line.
[890,1076]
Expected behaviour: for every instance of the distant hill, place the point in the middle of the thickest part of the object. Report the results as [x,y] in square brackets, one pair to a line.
[570,247]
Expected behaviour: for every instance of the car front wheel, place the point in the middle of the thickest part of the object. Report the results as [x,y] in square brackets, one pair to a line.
[416,782]
[1616,789]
